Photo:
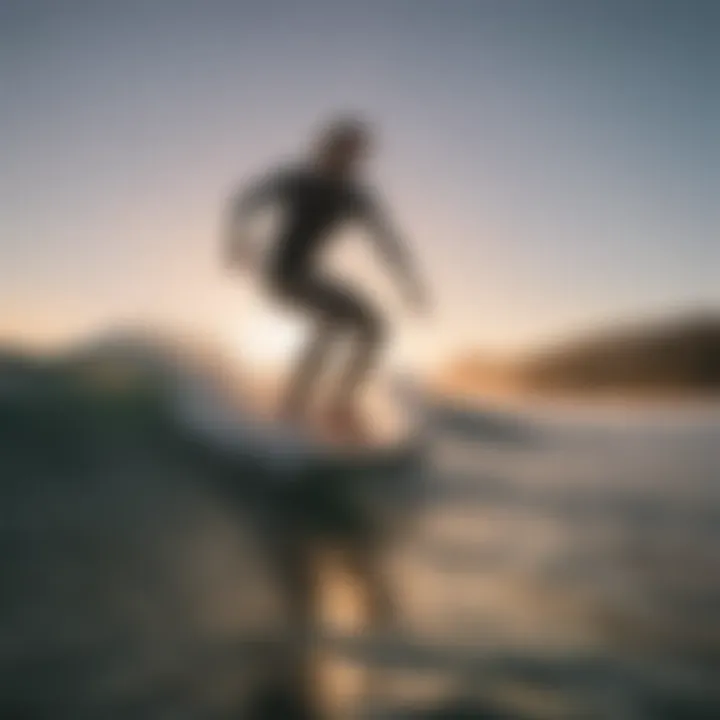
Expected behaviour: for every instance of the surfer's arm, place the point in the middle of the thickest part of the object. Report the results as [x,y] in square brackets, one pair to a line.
[260,192]
[242,206]
[394,250]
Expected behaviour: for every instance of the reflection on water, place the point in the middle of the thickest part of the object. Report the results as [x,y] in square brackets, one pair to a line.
[577,575]
[570,571]
[581,569]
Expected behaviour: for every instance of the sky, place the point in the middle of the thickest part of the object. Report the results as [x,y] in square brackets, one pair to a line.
[554,164]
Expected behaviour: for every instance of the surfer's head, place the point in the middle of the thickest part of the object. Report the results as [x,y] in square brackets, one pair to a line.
[342,145]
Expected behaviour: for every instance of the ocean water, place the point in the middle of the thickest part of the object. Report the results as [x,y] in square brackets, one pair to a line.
[565,565]
[545,562]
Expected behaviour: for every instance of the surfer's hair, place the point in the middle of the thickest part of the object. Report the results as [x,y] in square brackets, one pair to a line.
[347,131]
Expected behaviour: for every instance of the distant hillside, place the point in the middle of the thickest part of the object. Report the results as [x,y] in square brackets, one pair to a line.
[679,356]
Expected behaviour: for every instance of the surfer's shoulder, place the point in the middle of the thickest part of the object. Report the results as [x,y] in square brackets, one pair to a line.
[365,198]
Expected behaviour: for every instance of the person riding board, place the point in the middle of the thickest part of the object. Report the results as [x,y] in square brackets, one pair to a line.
[317,197]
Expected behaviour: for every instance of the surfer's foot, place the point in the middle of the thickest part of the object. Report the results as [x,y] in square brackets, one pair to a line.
[291,415]
[347,424]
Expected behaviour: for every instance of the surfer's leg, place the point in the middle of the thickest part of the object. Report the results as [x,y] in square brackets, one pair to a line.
[317,298]
[368,331]
[307,371]
[336,309]
[347,311]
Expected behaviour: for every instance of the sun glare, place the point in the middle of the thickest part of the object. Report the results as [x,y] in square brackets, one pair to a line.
[266,338]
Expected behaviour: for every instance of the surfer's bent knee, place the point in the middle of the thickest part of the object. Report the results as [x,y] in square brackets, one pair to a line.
[371,327]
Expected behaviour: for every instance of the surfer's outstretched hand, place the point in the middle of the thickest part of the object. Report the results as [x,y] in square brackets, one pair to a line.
[418,299]
[241,255]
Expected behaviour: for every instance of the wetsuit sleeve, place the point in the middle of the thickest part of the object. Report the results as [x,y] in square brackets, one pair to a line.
[391,245]
[375,217]
[268,189]
[264,190]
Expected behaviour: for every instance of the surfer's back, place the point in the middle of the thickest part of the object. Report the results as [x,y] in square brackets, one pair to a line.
[313,205]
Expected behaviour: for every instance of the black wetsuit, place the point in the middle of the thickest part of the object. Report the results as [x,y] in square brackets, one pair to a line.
[313,207]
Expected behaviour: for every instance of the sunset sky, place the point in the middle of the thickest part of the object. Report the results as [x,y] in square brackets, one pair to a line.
[555,164]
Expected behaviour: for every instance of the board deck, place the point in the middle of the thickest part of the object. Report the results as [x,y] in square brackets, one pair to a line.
[318,437]
[249,425]
[387,420]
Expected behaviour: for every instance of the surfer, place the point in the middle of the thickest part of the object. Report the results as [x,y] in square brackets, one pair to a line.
[317,197]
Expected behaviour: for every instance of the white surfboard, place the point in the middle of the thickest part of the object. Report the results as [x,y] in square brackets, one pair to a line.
[246,426]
